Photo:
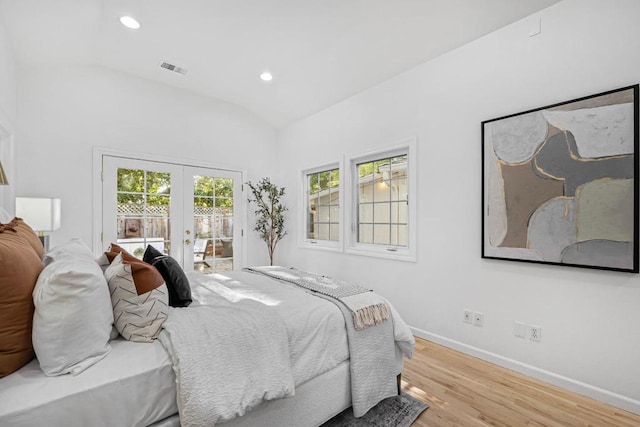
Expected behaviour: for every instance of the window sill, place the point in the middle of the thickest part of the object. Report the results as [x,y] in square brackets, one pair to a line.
[321,245]
[383,252]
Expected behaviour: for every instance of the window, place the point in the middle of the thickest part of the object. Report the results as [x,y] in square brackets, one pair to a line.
[382,201]
[381,195]
[322,206]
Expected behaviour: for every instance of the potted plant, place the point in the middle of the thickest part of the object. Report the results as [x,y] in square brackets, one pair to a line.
[269,213]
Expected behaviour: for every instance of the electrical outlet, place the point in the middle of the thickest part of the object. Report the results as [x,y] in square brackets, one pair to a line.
[468,316]
[478,319]
[535,333]
[520,330]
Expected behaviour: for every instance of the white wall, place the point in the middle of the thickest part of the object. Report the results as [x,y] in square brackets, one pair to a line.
[590,340]
[65,112]
[8,115]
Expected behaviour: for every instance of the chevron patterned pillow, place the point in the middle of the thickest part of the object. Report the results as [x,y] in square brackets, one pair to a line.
[138,317]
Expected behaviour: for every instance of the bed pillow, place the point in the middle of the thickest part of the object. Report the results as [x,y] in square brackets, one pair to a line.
[138,315]
[20,266]
[73,316]
[173,275]
[29,236]
[146,277]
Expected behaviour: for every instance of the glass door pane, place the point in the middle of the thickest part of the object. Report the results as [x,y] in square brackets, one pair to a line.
[141,205]
[216,236]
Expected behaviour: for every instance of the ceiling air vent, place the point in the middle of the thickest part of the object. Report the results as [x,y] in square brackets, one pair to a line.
[174,68]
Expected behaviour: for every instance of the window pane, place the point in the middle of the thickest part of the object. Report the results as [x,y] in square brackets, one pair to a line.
[403,237]
[315,198]
[365,232]
[399,235]
[381,234]
[224,188]
[325,177]
[399,166]
[365,212]
[158,183]
[365,191]
[381,191]
[399,212]
[323,231]
[394,235]
[399,189]
[334,198]
[224,202]
[136,199]
[323,214]
[334,232]
[132,228]
[365,169]
[310,226]
[130,180]
[202,223]
[203,186]
[159,201]
[335,178]
[381,213]
[334,214]
[313,183]
[226,221]
[156,227]
[204,202]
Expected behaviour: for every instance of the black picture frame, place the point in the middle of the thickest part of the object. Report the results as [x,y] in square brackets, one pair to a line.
[559,183]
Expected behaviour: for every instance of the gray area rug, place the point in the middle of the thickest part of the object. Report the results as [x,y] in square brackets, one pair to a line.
[397,411]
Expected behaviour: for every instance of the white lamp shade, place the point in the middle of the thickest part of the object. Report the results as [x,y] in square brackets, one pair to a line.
[40,213]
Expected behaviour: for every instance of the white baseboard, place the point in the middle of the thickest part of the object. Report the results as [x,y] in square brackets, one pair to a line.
[606,396]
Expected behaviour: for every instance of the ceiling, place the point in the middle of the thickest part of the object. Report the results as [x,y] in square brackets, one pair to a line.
[319,51]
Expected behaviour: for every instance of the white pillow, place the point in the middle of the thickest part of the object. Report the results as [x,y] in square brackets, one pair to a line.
[137,317]
[73,315]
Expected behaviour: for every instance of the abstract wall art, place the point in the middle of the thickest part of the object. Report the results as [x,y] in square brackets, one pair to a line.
[560,183]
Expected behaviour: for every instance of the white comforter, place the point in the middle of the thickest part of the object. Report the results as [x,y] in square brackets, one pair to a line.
[317,340]
[311,330]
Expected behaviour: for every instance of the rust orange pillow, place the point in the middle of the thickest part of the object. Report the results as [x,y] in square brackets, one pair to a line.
[25,232]
[145,276]
[20,266]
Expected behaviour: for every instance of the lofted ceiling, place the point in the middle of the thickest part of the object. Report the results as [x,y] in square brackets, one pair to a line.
[319,51]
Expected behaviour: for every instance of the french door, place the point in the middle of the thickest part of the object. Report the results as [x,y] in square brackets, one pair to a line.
[190,213]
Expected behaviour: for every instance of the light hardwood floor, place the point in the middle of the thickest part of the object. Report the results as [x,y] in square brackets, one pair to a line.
[464,391]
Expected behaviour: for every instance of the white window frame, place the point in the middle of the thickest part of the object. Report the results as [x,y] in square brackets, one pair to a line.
[350,181]
[328,245]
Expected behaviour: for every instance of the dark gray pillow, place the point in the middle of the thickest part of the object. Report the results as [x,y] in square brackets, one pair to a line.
[173,275]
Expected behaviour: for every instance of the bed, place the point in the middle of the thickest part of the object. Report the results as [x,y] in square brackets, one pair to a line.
[138,384]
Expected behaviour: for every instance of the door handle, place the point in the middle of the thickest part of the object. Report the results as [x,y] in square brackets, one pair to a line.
[187,232]
[188,242]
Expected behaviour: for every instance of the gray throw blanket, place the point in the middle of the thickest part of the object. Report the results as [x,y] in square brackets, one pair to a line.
[228,358]
[367,308]
[372,351]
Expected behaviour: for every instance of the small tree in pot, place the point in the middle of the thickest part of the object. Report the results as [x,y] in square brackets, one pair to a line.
[269,213]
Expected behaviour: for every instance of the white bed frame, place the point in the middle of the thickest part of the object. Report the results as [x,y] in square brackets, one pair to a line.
[315,402]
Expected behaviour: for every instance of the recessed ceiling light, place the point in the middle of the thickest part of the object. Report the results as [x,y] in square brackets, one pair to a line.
[266,76]
[130,22]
